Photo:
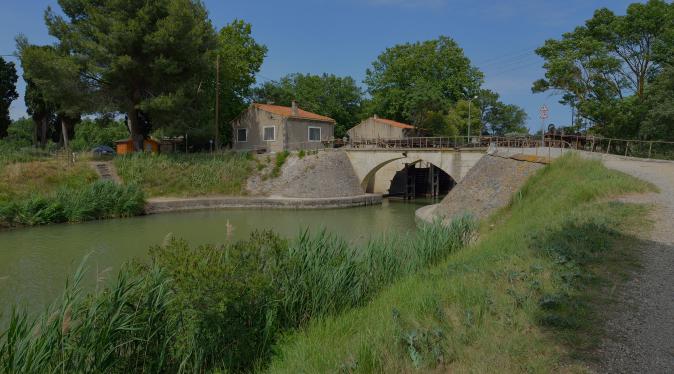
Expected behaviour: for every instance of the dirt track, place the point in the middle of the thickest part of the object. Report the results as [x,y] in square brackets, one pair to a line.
[640,331]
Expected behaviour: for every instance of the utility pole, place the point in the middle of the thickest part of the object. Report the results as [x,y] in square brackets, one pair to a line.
[470,102]
[217,102]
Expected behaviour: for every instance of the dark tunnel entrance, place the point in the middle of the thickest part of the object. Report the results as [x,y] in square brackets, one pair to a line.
[421,179]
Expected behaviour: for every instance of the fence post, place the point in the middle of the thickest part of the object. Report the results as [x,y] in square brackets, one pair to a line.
[627,146]
[608,148]
[650,146]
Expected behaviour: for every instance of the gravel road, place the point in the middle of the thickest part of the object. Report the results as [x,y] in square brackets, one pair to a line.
[640,331]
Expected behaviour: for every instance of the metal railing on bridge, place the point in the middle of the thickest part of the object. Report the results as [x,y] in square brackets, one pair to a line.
[652,149]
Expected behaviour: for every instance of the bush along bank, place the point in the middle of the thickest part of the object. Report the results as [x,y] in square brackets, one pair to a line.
[98,200]
[216,307]
[528,297]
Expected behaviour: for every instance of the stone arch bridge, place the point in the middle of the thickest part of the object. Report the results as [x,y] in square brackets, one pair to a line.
[376,168]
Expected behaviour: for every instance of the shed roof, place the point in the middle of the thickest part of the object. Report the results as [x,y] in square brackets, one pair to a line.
[392,123]
[287,112]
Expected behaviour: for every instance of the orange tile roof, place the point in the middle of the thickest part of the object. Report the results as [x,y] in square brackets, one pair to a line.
[285,111]
[393,123]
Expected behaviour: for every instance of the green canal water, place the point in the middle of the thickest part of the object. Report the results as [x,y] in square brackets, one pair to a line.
[35,262]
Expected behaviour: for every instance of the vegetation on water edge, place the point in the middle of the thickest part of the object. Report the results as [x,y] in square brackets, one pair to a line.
[22,180]
[216,307]
[525,298]
[186,174]
[97,200]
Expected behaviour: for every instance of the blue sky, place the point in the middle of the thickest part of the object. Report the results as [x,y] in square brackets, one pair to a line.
[344,36]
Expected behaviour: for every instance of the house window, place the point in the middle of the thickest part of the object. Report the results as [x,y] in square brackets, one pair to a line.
[314,134]
[242,135]
[269,133]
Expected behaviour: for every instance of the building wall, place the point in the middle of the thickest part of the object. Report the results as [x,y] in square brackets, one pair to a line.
[291,134]
[297,134]
[255,121]
[369,129]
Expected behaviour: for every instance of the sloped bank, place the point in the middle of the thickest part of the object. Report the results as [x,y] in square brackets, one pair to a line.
[165,205]
[527,297]
[315,181]
[487,187]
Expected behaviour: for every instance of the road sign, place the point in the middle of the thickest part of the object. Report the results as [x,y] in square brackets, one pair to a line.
[543,112]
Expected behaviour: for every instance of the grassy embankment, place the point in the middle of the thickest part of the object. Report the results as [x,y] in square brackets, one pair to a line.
[184,175]
[522,299]
[36,188]
[526,298]
[215,307]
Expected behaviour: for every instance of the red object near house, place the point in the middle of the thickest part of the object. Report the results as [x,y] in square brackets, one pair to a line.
[125,146]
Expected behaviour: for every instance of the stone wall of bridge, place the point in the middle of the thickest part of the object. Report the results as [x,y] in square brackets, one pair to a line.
[384,163]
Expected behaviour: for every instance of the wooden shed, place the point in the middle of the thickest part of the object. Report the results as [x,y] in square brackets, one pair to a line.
[125,146]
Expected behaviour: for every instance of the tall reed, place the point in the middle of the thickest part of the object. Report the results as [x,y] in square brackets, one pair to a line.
[215,307]
[98,200]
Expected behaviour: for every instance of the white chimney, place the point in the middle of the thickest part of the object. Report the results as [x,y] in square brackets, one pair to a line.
[294,108]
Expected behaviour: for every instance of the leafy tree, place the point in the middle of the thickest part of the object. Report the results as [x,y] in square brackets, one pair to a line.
[20,132]
[499,118]
[101,131]
[438,124]
[140,56]
[409,80]
[458,117]
[8,93]
[659,122]
[41,111]
[58,78]
[599,66]
[327,94]
[240,59]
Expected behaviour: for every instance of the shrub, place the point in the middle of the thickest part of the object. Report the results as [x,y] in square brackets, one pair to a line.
[212,307]
[280,159]
[186,174]
[90,133]
[98,200]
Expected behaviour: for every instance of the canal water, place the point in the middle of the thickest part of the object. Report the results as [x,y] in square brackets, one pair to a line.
[34,262]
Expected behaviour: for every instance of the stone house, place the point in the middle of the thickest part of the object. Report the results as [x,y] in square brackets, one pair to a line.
[380,128]
[274,128]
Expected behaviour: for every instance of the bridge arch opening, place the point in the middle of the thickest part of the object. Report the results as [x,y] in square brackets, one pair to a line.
[408,179]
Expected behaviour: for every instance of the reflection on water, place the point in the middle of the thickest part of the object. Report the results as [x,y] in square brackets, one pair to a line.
[34,262]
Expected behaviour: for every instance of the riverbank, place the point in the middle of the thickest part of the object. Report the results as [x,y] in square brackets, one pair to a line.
[205,311]
[528,296]
[168,204]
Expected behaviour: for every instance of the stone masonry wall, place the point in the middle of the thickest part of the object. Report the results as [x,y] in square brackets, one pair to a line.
[487,187]
[321,175]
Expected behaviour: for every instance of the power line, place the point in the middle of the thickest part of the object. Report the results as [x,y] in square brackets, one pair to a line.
[524,51]
[516,68]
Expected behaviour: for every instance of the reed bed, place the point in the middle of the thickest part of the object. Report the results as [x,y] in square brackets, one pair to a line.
[97,200]
[186,174]
[215,307]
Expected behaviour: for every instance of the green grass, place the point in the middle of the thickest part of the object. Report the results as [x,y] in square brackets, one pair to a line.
[20,180]
[215,307]
[279,160]
[97,200]
[186,175]
[523,299]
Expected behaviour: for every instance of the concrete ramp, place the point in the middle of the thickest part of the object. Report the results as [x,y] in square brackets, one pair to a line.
[325,174]
[487,187]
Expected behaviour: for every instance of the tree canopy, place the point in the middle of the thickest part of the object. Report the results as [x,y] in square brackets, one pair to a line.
[408,80]
[137,55]
[8,93]
[337,97]
[604,67]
